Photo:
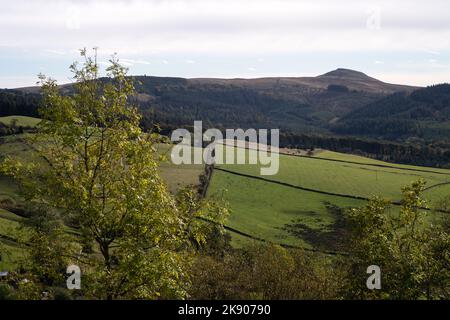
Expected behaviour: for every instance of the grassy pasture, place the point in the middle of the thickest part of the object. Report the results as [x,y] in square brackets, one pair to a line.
[21,121]
[10,250]
[264,210]
[11,253]
[280,213]
[177,176]
[9,222]
[355,177]
[291,216]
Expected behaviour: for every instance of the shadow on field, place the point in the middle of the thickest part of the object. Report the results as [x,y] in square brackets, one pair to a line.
[327,237]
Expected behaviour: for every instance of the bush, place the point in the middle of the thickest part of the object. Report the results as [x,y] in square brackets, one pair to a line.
[6,292]
[266,272]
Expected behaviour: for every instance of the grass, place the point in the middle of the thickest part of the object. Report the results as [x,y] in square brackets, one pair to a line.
[8,226]
[275,212]
[11,254]
[264,210]
[8,188]
[10,250]
[21,121]
[283,214]
[350,178]
[332,155]
[178,176]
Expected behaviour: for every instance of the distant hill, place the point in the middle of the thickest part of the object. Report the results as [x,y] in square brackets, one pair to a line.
[353,80]
[342,110]
[298,104]
[423,113]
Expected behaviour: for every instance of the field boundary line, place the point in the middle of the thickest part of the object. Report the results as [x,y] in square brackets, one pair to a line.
[204,184]
[397,203]
[369,164]
[436,185]
[210,170]
[354,162]
[284,245]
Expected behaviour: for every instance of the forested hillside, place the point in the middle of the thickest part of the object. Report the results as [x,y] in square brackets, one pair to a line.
[423,113]
[18,102]
[342,110]
[305,104]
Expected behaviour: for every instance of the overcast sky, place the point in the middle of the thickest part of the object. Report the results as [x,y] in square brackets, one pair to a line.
[396,41]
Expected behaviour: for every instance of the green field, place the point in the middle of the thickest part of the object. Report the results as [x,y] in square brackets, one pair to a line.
[264,209]
[10,250]
[177,176]
[21,121]
[286,214]
[350,178]
[300,206]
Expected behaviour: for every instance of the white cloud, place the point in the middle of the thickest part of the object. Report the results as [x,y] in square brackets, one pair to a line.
[418,79]
[58,52]
[72,17]
[131,62]
[160,31]
[227,26]
[432,52]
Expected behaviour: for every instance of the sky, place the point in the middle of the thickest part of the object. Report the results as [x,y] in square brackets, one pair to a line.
[402,41]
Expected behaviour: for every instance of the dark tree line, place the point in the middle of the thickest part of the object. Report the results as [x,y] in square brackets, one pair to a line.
[404,128]
[401,115]
[15,102]
[434,154]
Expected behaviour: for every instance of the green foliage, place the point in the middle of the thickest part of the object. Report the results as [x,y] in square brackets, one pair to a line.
[51,249]
[6,292]
[20,286]
[265,209]
[100,171]
[413,255]
[266,272]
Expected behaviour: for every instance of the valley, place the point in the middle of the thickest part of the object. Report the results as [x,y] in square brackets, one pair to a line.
[301,206]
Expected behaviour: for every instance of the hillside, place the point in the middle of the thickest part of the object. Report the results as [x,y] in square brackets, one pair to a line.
[353,80]
[343,102]
[300,104]
[299,206]
[423,113]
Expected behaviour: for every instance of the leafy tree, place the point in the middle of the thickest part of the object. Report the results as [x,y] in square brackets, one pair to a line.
[412,253]
[50,247]
[262,271]
[100,171]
